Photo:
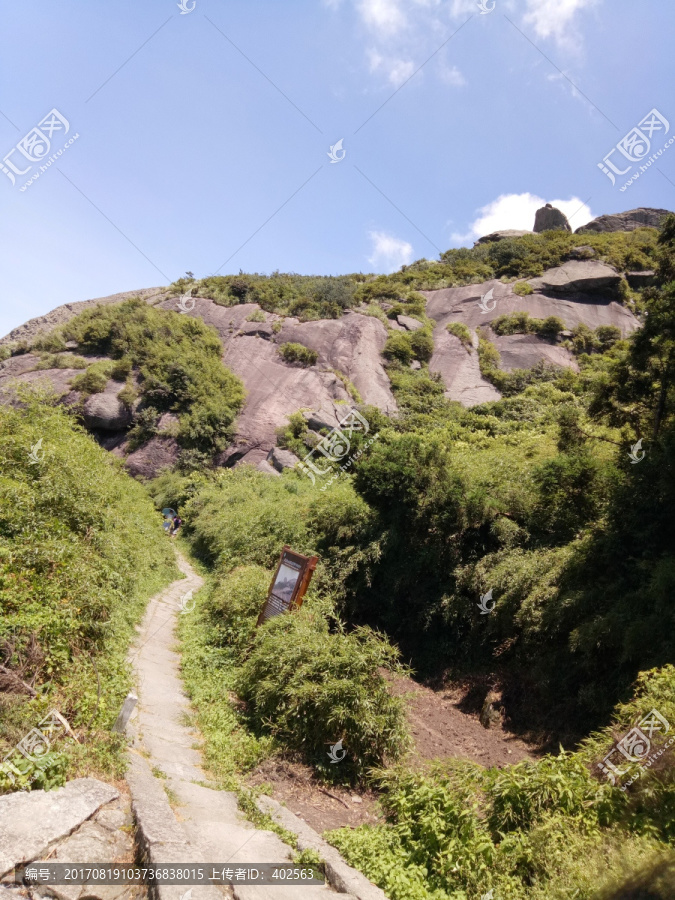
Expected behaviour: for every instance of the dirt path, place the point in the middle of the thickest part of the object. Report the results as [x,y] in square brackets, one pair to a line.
[440,730]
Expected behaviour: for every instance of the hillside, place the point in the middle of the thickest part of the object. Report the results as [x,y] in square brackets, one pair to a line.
[493,529]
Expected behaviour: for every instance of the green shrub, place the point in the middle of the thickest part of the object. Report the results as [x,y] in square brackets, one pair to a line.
[521,323]
[311,688]
[177,360]
[81,549]
[461,331]
[297,353]
[523,289]
[94,380]
[405,346]
[256,316]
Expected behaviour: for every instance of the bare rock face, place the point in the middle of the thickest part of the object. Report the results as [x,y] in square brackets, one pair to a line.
[548,218]
[282,459]
[495,236]
[522,351]
[409,323]
[643,217]
[148,461]
[459,368]
[578,277]
[351,345]
[104,411]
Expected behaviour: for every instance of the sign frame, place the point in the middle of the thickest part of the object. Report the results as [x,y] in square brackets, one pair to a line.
[288,596]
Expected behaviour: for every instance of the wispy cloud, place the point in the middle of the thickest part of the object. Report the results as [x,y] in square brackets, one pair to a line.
[517,211]
[389,253]
[556,19]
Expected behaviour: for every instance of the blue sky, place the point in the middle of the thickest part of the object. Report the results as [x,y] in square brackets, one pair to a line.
[203,137]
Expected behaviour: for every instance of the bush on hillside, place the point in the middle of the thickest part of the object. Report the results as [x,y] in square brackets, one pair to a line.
[81,549]
[298,353]
[311,688]
[177,361]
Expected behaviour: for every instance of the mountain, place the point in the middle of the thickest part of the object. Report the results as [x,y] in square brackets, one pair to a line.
[354,339]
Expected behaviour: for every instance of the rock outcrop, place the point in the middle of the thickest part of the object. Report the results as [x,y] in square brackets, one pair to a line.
[495,236]
[44,324]
[643,217]
[578,276]
[106,411]
[548,218]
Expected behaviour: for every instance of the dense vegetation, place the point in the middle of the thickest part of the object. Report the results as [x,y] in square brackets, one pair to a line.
[318,297]
[81,550]
[164,362]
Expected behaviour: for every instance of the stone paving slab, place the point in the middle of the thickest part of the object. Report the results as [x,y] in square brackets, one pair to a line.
[31,821]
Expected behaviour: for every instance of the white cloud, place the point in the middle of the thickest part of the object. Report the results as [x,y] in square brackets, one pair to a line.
[389,253]
[382,15]
[517,211]
[451,75]
[554,18]
[396,70]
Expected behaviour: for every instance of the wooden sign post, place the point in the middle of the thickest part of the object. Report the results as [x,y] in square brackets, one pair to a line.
[289,584]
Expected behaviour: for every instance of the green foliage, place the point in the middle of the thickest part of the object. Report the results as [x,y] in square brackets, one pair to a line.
[521,323]
[292,353]
[256,316]
[405,346]
[177,361]
[461,331]
[94,380]
[523,289]
[311,688]
[305,296]
[81,549]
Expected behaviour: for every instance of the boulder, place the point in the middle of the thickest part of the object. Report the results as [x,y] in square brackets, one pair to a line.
[161,452]
[282,459]
[643,217]
[107,412]
[581,253]
[506,234]
[638,280]
[548,218]
[409,323]
[578,277]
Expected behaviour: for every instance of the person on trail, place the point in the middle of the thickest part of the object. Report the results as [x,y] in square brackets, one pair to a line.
[175,525]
